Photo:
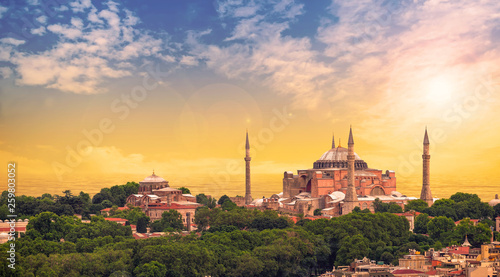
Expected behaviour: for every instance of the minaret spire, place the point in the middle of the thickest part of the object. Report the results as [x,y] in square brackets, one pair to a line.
[248,195]
[247,145]
[333,140]
[351,139]
[351,197]
[426,194]
[426,137]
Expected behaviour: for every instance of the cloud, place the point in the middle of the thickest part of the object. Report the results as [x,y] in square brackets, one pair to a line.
[188,60]
[12,41]
[67,32]
[42,19]
[3,10]
[80,5]
[7,46]
[5,72]
[90,50]
[258,51]
[38,31]
[390,55]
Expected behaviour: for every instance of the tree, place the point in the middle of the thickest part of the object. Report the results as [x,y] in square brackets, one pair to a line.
[184,190]
[461,197]
[352,247]
[223,199]
[417,205]
[171,220]
[439,227]
[394,208]
[476,234]
[378,206]
[202,217]
[67,193]
[317,212]
[152,269]
[47,195]
[49,226]
[142,225]
[387,257]
[203,199]
[381,207]
[443,207]
[228,205]
[421,222]
[107,204]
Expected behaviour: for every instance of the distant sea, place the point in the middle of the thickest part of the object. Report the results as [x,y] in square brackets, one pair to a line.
[263,185]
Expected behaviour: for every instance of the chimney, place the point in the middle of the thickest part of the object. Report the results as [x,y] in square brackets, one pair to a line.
[188,221]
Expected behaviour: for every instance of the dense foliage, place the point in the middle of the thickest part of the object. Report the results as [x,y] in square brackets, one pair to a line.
[69,204]
[235,241]
[460,206]
[116,195]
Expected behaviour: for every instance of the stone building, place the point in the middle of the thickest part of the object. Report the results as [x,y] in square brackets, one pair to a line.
[150,183]
[338,182]
[156,196]
[330,174]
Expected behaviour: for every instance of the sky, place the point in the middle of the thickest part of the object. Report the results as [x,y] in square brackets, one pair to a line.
[97,93]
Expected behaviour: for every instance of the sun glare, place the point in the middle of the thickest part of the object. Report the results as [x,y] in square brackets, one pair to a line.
[440,90]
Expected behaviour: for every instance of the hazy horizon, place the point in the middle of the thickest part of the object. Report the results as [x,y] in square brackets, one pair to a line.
[93,91]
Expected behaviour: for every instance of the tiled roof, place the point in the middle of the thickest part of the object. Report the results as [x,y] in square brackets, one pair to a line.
[119,208]
[406,271]
[172,206]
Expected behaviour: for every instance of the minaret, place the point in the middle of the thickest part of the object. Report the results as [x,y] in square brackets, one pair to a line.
[248,195]
[333,141]
[426,194]
[351,198]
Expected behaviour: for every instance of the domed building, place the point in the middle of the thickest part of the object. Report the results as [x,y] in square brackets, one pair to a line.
[495,201]
[338,182]
[329,174]
[151,183]
[155,197]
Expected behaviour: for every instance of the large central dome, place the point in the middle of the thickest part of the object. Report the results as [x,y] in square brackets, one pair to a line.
[337,154]
[337,158]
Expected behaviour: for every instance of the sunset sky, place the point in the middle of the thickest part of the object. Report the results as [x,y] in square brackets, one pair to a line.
[94,94]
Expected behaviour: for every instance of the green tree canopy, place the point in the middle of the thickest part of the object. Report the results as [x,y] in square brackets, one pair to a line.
[417,205]
[184,190]
[440,227]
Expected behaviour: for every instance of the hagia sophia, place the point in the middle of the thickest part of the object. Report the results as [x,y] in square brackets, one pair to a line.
[340,181]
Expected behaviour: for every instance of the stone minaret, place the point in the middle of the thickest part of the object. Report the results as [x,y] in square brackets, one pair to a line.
[351,198]
[426,194]
[248,195]
[333,141]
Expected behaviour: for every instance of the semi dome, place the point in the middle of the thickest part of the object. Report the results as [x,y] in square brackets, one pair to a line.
[337,158]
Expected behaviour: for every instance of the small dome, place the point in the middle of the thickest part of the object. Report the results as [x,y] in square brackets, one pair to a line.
[337,195]
[153,179]
[495,201]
